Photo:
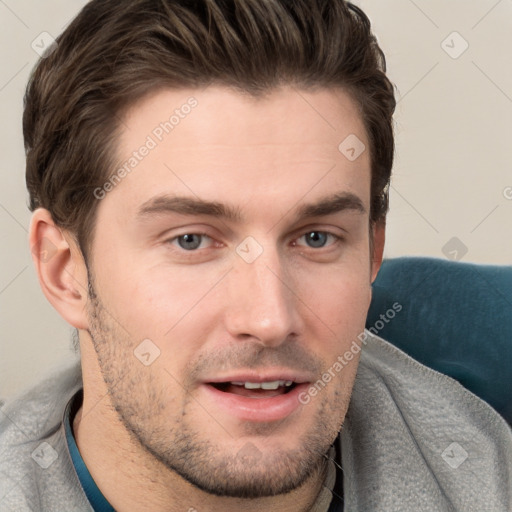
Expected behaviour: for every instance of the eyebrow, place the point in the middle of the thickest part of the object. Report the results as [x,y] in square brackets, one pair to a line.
[188,206]
[345,201]
[332,204]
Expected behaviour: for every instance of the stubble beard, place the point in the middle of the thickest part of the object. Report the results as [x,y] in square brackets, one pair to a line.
[139,399]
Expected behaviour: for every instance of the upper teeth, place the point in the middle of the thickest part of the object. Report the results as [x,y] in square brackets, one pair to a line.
[264,385]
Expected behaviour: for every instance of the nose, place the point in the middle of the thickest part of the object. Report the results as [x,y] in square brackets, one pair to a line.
[262,301]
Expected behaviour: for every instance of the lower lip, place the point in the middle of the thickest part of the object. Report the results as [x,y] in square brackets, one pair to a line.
[256,409]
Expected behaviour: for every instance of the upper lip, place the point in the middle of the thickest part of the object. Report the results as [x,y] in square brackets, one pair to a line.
[262,376]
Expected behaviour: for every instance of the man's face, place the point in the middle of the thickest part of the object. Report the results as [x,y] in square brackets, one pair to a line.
[238,249]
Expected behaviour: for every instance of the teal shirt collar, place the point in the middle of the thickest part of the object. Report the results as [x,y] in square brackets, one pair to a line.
[98,502]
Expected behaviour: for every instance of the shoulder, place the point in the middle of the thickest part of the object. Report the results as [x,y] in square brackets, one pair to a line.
[35,413]
[36,471]
[414,438]
[428,396]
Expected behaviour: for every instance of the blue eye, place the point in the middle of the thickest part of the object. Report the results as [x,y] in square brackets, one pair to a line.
[316,239]
[189,242]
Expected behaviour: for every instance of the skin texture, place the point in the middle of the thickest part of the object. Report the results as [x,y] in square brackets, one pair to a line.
[152,437]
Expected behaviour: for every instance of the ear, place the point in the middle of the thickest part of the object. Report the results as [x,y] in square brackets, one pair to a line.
[60,268]
[379,238]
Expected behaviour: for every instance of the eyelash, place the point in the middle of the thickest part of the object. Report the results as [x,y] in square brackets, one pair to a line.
[336,239]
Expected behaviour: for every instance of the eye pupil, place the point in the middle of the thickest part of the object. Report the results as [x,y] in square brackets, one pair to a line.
[316,239]
[189,242]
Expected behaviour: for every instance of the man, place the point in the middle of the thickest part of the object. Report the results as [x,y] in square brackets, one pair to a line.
[209,186]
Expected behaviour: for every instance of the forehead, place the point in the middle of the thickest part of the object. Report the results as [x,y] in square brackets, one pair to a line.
[219,143]
[218,112]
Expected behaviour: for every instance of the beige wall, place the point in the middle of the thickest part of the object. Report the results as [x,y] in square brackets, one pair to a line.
[453,172]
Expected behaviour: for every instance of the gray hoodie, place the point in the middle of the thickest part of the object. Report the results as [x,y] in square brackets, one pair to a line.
[413,440]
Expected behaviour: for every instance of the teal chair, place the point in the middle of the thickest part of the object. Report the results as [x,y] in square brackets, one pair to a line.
[456,318]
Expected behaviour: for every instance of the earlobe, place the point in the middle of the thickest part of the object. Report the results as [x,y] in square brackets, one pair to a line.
[379,238]
[60,268]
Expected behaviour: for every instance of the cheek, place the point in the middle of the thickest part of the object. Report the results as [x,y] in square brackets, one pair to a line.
[171,309]
[156,300]
[340,297]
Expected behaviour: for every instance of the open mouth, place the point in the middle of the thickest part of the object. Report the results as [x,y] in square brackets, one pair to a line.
[252,398]
[256,389]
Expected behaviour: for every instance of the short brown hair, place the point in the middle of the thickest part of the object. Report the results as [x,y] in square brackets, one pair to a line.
[113,53]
